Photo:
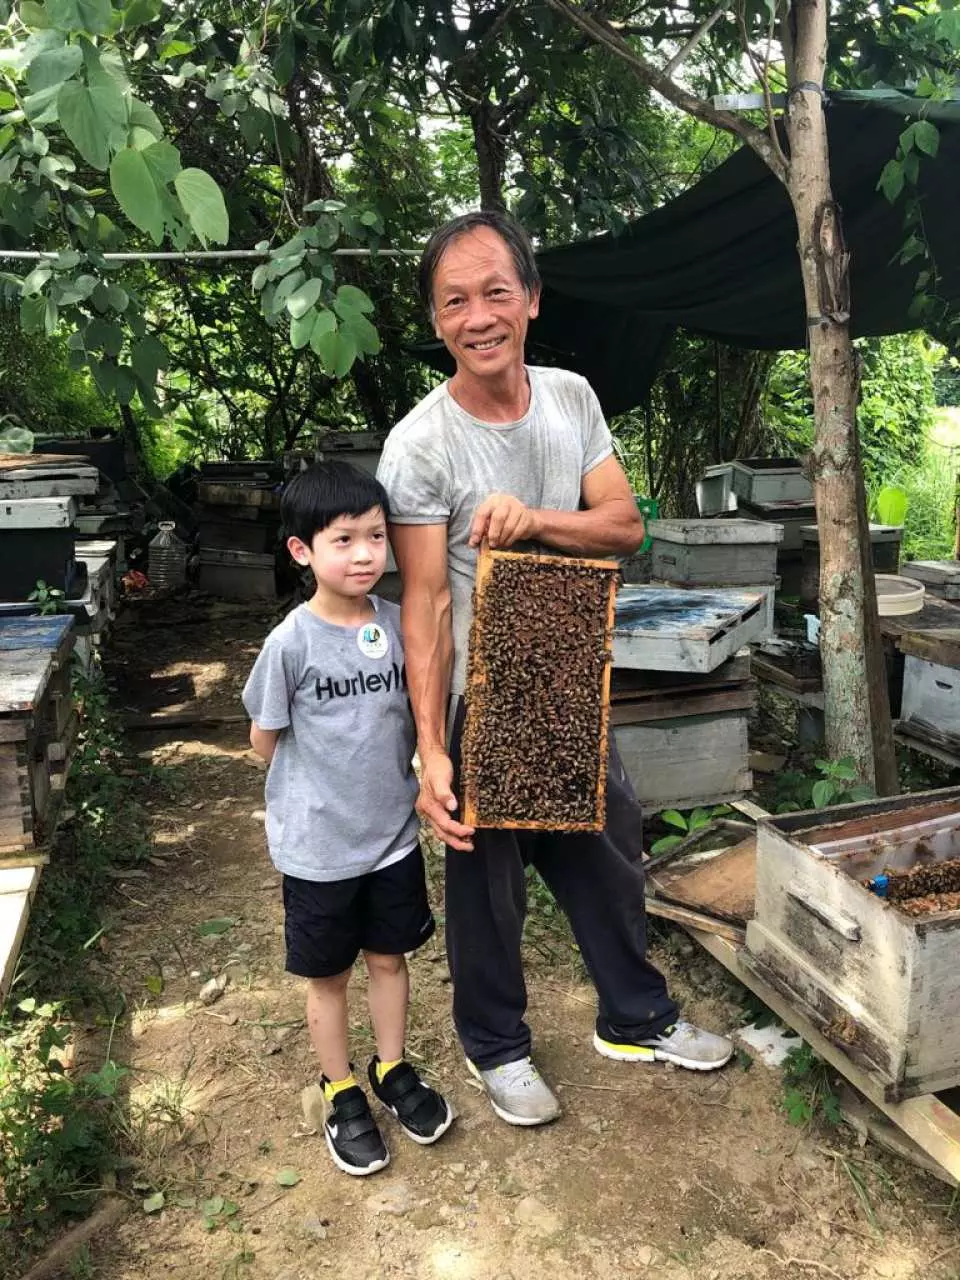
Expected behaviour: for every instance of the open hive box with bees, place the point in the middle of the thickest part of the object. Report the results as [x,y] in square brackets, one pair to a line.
[538,689]
[858,921]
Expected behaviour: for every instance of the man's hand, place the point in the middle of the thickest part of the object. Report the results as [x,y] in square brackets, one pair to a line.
[437,803]
[503,520]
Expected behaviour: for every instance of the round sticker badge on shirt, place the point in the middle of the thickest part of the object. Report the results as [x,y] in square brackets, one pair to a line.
[372,640]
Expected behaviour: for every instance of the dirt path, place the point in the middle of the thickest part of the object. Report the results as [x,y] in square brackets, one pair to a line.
[650,1172]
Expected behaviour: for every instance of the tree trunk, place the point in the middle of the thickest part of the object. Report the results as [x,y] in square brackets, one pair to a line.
[857,717]
[491,154]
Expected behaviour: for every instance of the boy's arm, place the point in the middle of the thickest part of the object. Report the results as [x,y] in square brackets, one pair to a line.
[264,741]
[421,553]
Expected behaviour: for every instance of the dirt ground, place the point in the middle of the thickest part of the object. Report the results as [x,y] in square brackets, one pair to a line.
[650,1171]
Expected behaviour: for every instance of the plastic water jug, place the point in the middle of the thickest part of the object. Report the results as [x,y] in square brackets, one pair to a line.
[167,558]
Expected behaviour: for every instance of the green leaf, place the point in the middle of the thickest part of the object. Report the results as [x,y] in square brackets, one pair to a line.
[301,329]
[891,180]
[699,818]
[34,15]
[140,12]
[210,1208]
[203,204]
[259,277]
[83,123]
[163,161]
[95,17]
[362,332]
[926,135]
[154,1203]
[350,298]
[288,1177]
[823,793]
[300,302]
[665,843]
[148,357]
[133,184]
[324,325]
[143,117]
[52,67]
[674,819]
[220,924]
[154,983]
[33,313]
[862,791]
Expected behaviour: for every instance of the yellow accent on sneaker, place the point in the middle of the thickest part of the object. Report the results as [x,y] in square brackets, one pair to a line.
[332,1087]
[641,1052]
[384,1067]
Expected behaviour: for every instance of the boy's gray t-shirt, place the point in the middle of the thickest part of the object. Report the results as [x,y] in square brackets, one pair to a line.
[439,464]
[341,788]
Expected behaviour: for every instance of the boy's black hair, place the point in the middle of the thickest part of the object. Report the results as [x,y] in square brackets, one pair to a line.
[319,495]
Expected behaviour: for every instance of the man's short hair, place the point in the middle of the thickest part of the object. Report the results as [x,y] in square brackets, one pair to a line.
[506,227]
[325,491]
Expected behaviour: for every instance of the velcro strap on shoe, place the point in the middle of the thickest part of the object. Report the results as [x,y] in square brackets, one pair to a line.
[352,1113]
[400,1084]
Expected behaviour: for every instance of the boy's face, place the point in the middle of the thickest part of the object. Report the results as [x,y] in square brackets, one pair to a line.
[348,556]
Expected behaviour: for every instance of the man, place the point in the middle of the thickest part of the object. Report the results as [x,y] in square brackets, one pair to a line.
[515,455]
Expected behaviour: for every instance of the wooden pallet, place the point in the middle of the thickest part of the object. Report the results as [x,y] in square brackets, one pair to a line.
[479,676]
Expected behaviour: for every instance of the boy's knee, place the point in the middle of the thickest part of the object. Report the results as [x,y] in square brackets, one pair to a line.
[384,966]
[334,984]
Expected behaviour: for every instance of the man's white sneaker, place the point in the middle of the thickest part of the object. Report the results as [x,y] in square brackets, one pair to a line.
[682,1044]
[518,1093]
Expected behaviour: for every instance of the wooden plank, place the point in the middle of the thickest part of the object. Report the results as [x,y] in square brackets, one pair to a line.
[223,494]
[913,737]
[774,673]
[43,486]
[23,679]
[628,711]
[14,914]
[541,572]
[693,919]
[936,615]
[941,646]
[927,1119]
[724,885]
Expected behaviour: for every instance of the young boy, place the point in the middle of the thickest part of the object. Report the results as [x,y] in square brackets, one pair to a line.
[328,701]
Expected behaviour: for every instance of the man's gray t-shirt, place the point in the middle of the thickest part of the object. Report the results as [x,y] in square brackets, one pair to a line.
[341,787]
[439,464]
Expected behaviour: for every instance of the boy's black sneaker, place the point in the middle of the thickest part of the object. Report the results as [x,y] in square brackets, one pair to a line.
[353,1139]
[424,1114]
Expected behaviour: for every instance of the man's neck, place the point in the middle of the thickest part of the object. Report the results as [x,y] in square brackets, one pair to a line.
[505,398]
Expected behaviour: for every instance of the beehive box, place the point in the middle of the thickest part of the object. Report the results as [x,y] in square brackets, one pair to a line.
[36,542]
[940,577]
[714,552]
[885,542]
[931,685]
[881,983]
[237,575]
[37,731]
[659,628]
[534,751]
[770,480]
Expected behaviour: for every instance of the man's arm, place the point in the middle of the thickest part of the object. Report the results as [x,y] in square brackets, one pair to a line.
[610,525]
[425,613]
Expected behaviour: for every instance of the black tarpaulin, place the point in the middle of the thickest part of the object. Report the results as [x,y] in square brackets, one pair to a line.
[721,260]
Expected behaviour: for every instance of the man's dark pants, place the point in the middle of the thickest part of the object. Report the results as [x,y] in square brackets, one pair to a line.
[597,879]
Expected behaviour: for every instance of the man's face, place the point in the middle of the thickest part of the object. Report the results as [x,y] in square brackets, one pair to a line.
[481,310]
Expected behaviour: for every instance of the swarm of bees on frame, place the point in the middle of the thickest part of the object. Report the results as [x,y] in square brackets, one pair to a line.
[534,745]
[925,889]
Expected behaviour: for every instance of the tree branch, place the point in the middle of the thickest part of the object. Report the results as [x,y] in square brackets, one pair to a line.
[604,35]
[682,54]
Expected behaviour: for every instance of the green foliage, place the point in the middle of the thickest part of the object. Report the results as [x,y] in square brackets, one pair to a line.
[895,412]
[685,823]
[930,488]
[38,385]
[48,599]
[808,1092]
[833,782]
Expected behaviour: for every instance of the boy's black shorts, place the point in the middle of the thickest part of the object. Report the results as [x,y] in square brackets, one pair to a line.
[328,923]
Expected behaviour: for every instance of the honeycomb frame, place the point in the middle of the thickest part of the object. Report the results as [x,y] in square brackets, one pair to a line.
[520,648]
